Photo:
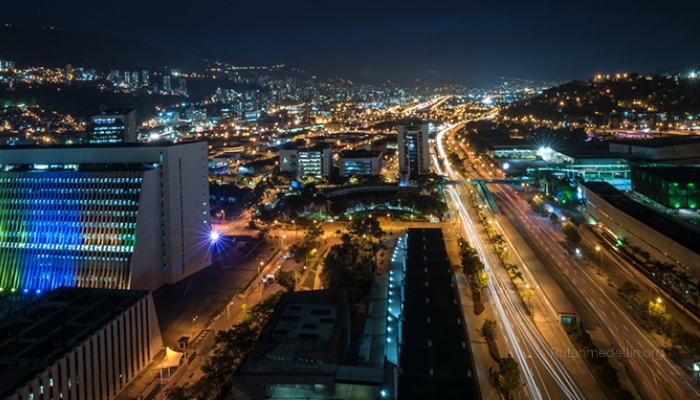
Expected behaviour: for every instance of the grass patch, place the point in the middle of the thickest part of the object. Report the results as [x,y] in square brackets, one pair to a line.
[310,278]
[261,269]
[318,260]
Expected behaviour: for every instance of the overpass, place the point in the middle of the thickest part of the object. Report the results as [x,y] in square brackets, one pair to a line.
[485,181]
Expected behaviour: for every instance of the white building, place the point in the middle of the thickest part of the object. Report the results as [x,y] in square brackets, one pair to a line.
[414,150]
[316,161]
[119,216]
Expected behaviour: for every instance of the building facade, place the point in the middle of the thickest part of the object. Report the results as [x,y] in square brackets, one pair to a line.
[120,217]
[361,162]
[79,344]
[316,161]
[414,150]
[673,187]
[112,126]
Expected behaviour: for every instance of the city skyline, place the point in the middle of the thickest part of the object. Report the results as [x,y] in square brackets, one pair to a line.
[445,43]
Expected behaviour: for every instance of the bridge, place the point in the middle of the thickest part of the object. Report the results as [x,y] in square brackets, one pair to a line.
[484,181]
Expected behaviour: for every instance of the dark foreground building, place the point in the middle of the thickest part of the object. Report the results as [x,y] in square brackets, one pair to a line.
[435,362]
[301,351]
[77,343]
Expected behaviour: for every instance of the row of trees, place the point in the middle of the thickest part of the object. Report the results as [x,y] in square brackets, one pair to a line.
[231,347]
[606,373]
[350,264]
[681,339]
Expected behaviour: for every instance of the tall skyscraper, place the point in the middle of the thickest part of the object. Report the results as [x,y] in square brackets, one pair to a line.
[145,78]
[166,83]
[104,216]
[414,151]
[183,86]
[134,79]
[112,126]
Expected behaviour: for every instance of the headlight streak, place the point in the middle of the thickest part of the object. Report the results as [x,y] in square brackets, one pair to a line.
[513,320]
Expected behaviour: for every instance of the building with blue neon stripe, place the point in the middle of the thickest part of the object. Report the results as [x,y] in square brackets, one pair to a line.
[119,217]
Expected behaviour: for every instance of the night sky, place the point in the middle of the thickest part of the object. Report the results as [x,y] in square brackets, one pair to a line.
[463,42]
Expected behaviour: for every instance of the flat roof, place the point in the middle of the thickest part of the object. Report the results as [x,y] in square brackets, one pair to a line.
[660,142]
[434,357]
[673,174]
[53,327]
[99,145]
[684,235]
[310,325]
[114,111]
[585,153]
[360,154]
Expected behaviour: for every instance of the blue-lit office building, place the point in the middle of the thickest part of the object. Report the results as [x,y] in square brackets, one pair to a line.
[110,216]
[113,126]
[360,162]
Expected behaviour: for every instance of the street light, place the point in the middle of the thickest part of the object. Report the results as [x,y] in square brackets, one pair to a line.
[259,274]
[598,249]
[194,325]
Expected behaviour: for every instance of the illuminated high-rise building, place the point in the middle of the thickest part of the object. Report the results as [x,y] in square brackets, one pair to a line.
[414,150]
[166,83]
[183,86]
[112,126]
[145,78]
[105,216]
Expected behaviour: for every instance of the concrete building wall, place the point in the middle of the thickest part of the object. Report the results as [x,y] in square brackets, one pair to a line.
[104,364]
[148,269]
[659,246]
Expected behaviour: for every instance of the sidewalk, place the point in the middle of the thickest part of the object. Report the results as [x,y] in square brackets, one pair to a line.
[478,344]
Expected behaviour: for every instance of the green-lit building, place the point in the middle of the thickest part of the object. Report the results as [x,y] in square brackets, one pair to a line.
[672,187]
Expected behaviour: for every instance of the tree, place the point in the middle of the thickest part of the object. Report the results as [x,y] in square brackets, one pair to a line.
[288,279]
[509,377]
[571,234]
[655,311]
[490,328]
[498,240]
[608,375]
[368,227]
[314,232]
[471,264]
[479,282]
[553,217]
[230,348]
[301,251]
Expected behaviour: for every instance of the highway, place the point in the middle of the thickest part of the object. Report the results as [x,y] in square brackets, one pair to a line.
[542,373]
[655,376]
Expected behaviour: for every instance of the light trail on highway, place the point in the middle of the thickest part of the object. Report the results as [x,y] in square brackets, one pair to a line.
[650,371]
[543,374]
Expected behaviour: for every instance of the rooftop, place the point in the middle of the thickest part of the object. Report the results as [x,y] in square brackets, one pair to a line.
[35,336]
[434,360]
[114,111]
[360,154]
[675,174]
[661,142]
[156,144]
[310,325]
[682,234]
